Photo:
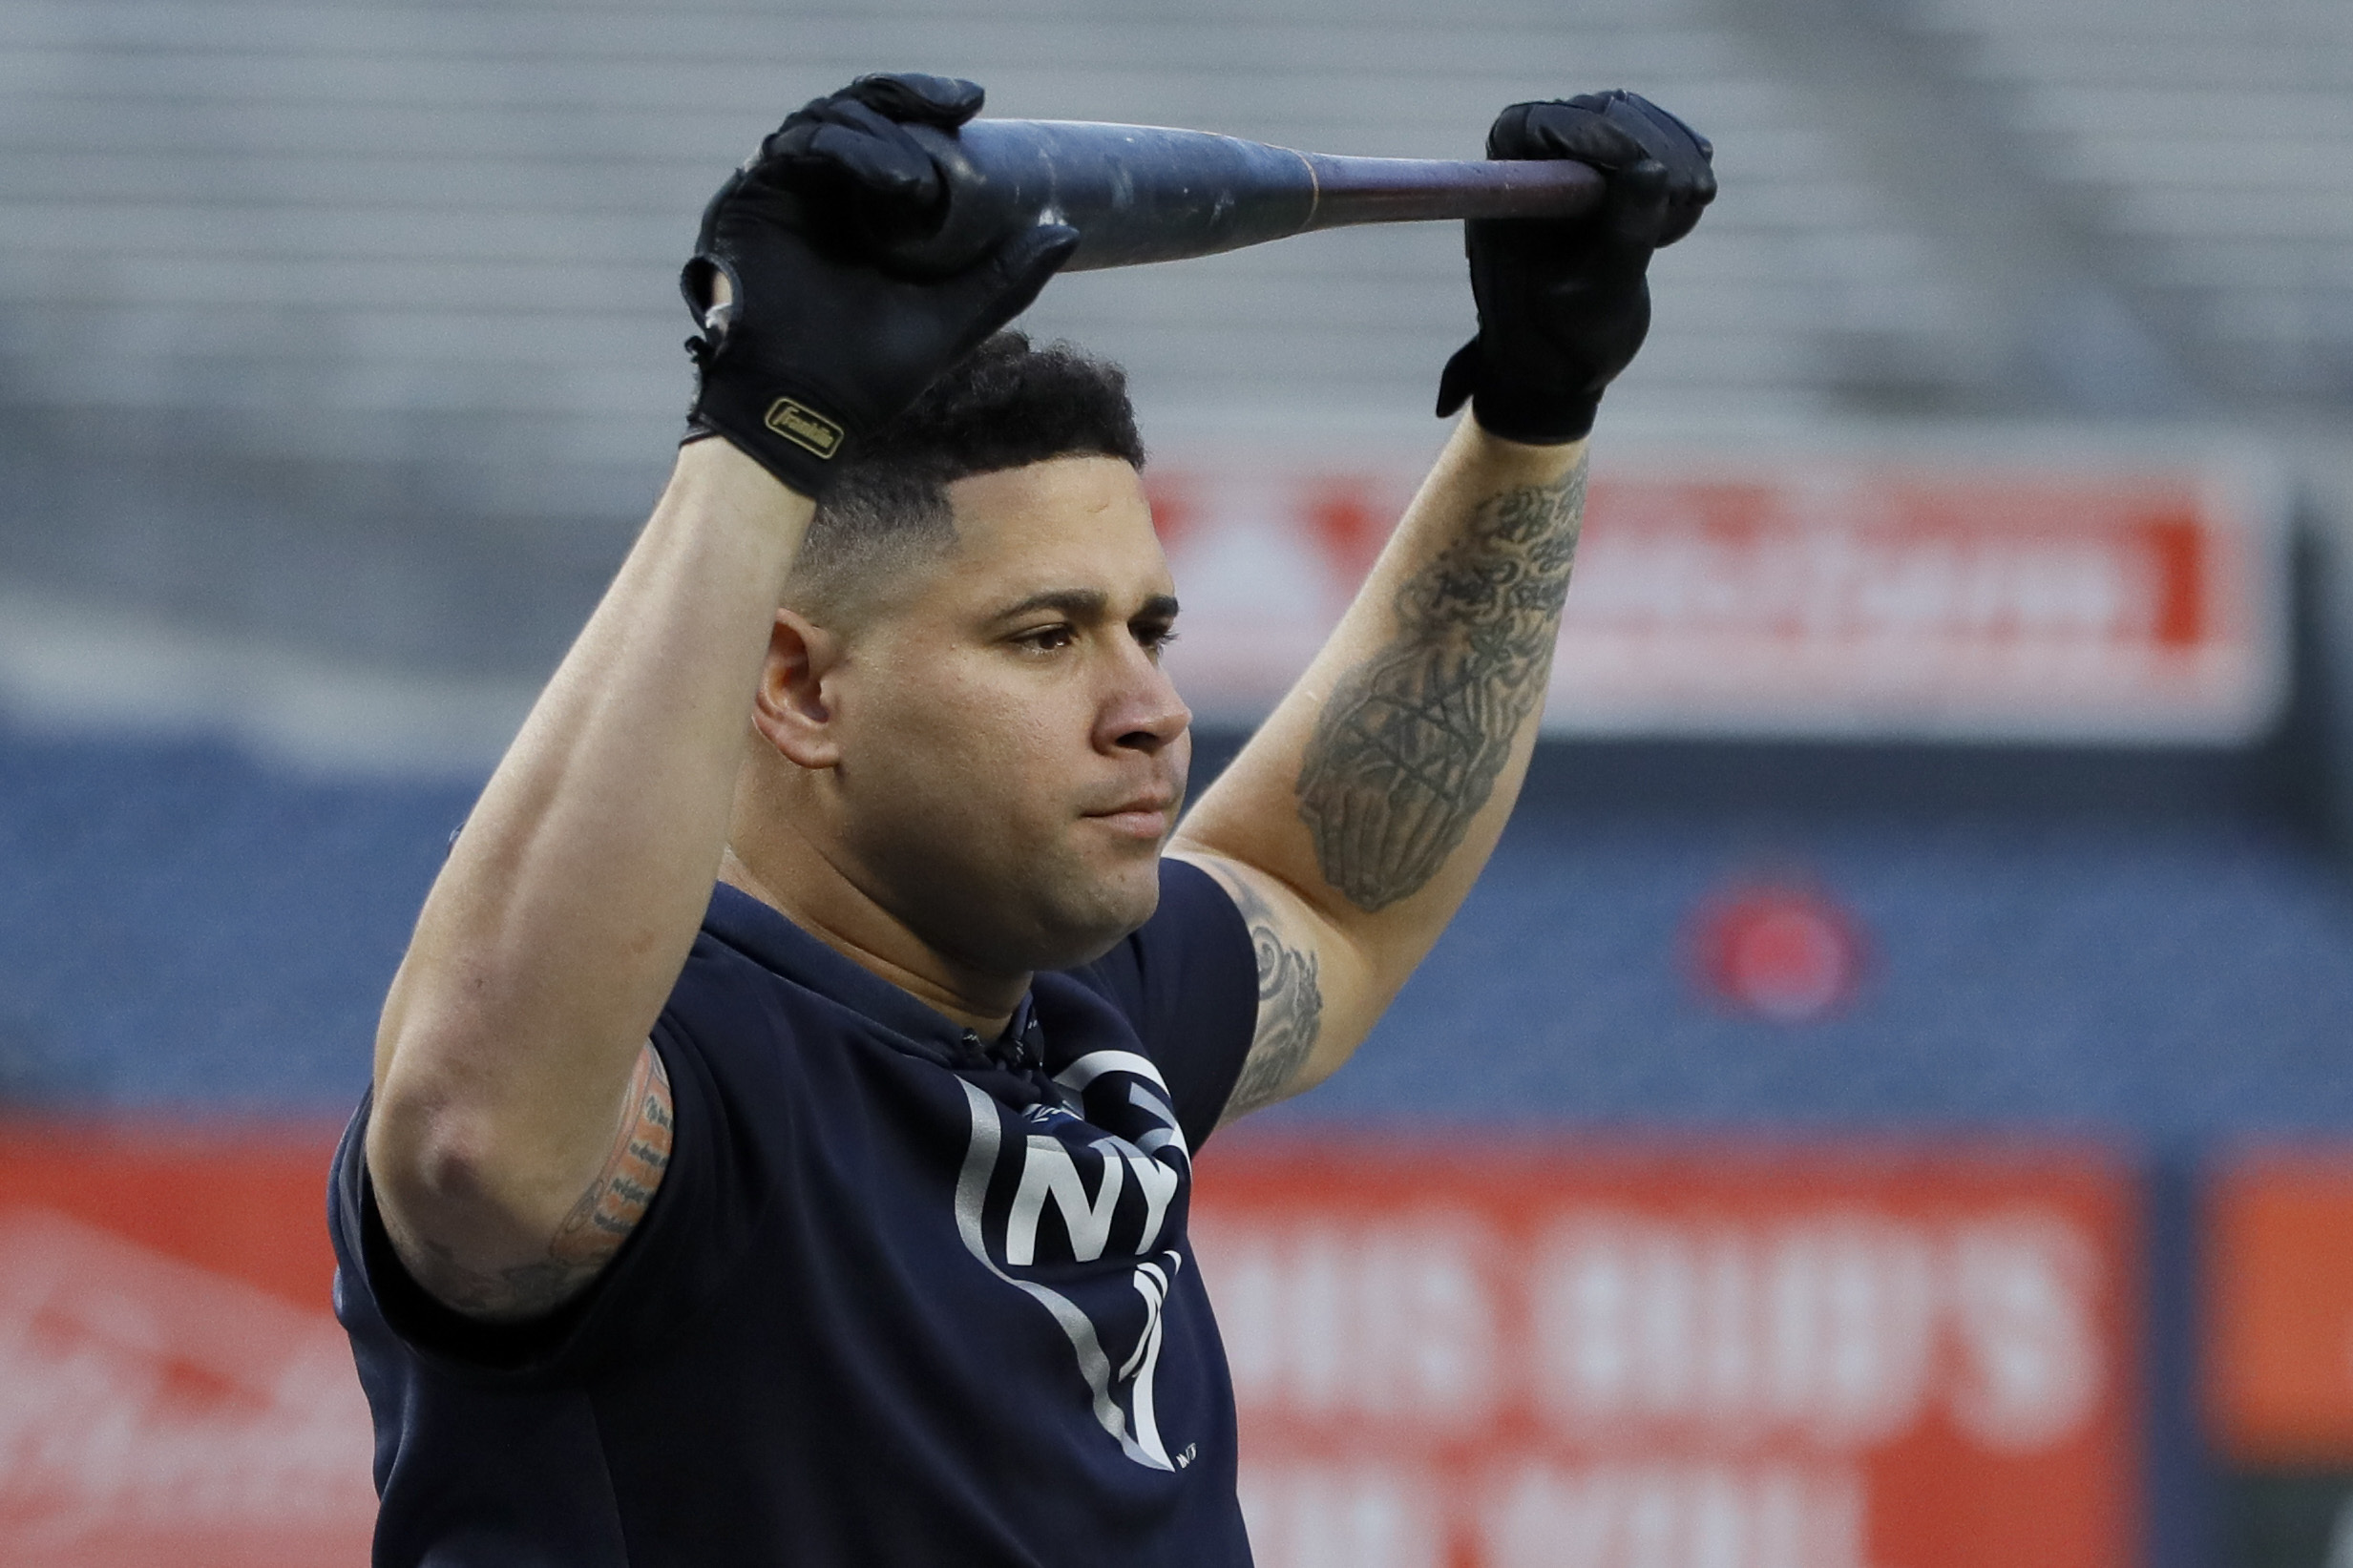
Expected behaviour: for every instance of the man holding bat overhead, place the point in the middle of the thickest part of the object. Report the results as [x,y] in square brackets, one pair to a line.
[836,1215]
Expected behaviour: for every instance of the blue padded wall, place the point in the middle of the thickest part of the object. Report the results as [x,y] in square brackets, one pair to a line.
[2161,977]
[182,927]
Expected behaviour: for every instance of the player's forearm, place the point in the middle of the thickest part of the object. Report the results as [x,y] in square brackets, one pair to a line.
[568,904]
[1379,787]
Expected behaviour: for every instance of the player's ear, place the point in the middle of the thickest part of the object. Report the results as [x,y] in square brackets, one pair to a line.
[793,708]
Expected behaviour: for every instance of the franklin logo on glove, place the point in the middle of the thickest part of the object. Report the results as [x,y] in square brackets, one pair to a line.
[804,426]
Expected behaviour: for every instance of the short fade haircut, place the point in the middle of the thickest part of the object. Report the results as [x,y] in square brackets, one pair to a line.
[1005,406]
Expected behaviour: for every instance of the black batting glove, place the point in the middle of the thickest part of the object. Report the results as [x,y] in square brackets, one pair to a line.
[1563,303]
[817,346]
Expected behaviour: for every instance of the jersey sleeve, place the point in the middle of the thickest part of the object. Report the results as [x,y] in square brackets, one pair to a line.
[1188,981]
[691,1237]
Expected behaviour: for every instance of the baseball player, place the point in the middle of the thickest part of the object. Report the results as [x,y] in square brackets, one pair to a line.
[836,1214]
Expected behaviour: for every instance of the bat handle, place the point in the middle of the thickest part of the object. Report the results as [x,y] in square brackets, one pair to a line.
[1409,190]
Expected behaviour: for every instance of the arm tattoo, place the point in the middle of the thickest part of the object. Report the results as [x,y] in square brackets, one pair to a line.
[1410,743]
[592,1233]
[1291,1009]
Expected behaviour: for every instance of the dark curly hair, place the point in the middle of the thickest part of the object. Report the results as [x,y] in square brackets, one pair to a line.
[1005,406]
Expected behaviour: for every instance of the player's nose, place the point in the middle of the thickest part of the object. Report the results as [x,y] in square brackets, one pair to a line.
[1142,711]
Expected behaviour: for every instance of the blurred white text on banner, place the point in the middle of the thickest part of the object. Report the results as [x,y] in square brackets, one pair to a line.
[1886,595]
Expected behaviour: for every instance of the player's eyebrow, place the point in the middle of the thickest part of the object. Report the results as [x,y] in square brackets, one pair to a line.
[1086,604]
[1078,603]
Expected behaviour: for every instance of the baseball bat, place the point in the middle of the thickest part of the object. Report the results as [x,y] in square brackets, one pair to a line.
[1145,193]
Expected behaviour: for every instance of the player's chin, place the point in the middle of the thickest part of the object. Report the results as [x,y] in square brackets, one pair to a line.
[1096,914]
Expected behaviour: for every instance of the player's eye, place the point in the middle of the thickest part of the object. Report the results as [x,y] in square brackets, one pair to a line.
[1048,639]
[1155,638]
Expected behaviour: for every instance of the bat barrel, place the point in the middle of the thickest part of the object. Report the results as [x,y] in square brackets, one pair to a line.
[1139,194]
[1135,192]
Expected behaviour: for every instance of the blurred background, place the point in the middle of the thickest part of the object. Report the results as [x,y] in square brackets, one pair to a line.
[1945,809]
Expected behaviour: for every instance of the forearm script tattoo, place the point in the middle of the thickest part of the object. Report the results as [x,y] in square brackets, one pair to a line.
[1410,743]
[607,1212]
[1291,1009]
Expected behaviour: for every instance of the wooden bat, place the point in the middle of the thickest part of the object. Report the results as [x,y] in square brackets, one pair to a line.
[1144,192]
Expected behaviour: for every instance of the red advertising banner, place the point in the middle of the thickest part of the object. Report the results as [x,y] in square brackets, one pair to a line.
[1877,594]
[174,1389]
[1696,1358]
[1444,1358]
[2278,1288]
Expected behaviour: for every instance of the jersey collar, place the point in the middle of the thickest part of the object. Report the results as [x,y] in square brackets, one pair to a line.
[771,940]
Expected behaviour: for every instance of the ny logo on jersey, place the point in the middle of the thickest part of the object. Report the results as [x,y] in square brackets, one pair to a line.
[1050,1174]
[1097,1189]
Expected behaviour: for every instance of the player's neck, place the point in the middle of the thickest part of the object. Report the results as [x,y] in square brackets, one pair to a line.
[830,907]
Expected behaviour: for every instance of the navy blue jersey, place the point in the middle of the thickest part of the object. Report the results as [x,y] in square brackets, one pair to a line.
[902,1298]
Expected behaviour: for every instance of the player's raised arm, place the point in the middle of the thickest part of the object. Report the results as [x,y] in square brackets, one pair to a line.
[520,1121]
[1352,825]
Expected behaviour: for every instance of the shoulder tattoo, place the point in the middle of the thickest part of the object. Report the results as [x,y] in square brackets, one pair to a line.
[1411,742]
[1290,1008]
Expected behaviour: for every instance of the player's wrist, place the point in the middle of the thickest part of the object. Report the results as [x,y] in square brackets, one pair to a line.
[1535,422]
[1519,463]
[714,473]
[1533,412]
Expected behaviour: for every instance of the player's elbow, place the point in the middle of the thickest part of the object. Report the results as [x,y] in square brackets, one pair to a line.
[446,1171]
[434,1139]
[427,1153]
